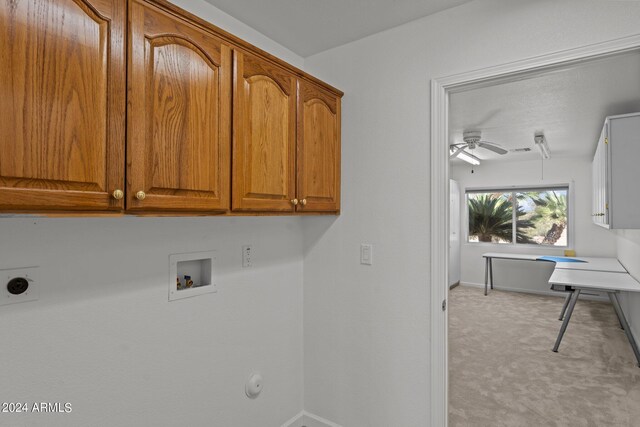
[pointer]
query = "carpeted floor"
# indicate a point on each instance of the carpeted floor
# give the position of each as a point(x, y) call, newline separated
point(502, 371)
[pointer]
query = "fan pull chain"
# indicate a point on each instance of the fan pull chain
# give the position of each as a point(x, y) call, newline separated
point(473, 151)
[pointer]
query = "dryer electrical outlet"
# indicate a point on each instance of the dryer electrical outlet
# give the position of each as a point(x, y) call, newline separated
point(19, 285)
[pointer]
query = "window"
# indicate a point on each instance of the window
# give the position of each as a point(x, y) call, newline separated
point(535, 216)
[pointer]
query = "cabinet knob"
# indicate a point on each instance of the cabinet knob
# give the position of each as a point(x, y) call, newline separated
point(140, 195)
point(118, 194)
point(294, 202)
point(304, 202)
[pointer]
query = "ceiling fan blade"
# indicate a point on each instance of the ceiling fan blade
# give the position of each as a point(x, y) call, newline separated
point(458, 151)
point(492, 147)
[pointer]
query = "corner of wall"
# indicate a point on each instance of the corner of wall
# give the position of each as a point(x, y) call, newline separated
point(228, 23)
point(306, 419)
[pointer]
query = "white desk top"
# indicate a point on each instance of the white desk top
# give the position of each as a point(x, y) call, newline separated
point(603, 280)
point(526, 257)
point(591, 264)
point(611, 265)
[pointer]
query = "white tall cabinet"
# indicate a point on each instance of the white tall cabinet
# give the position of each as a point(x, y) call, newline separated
point(616, 173)
point(454, 232)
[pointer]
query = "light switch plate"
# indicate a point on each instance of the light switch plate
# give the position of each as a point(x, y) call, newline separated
point(366, 254)
point(28, 273)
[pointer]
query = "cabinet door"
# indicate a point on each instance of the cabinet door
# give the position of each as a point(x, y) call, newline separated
point(595, 186)
point(264, 135)
point(62, 108)
point(178, 152)
point(600, 179)
point(318, 160)
point(605, 176)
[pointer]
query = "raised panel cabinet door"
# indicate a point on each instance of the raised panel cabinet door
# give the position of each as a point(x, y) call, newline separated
point(62, 104)
point(595, 185)
point(264, 136)
point(178, 153)
point(318, 159)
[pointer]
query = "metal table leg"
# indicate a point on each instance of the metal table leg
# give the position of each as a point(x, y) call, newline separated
point(616, 306)
point(621, 325)
point(491, 272)
point(486, 274)
point(565, 305)
point(565, 323)
point(611, 298)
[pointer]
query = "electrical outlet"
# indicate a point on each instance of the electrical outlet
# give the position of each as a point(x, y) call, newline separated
point(247, 253)
point(18, 285)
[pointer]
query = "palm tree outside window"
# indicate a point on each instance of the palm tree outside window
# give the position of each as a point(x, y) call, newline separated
point(534, 216)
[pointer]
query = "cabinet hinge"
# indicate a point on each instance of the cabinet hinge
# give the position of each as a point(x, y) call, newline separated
point(606, 205)
point(606, 140)
point(444, 304)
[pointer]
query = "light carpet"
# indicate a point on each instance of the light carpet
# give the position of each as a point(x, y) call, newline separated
point(502, 371)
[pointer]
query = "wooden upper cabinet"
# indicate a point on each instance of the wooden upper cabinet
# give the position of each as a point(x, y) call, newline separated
point(264, 135)
point(62, 106)
point(179, 122)
point(96, 91)
point(318, 160)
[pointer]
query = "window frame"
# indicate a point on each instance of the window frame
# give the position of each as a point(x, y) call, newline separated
point(517, 189)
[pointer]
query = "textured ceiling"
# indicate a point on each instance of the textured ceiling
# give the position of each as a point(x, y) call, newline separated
point(569, 105)
point(310, 26)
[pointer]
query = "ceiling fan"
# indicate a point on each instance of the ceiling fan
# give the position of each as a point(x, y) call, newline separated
point(473, 140)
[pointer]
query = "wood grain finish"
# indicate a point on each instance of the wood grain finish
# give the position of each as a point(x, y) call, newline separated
point(62, 107)
point(264, 135)
point(68, 74)
point(179, 114)
point(318, 160)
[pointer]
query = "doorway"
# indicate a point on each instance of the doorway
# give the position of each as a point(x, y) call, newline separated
point(440, 90)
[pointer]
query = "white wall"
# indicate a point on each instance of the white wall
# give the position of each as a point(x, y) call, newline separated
point(104, 337)
point(588, 239)
point(367, 327)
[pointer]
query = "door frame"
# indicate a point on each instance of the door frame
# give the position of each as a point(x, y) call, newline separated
point(440, 89)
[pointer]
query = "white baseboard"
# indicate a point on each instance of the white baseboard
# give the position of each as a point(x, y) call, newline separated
point(307, 419)
point(535, 291)
point(296, 421)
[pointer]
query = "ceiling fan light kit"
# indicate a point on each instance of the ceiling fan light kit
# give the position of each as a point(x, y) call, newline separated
point(543, 146)
point(471, 137)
